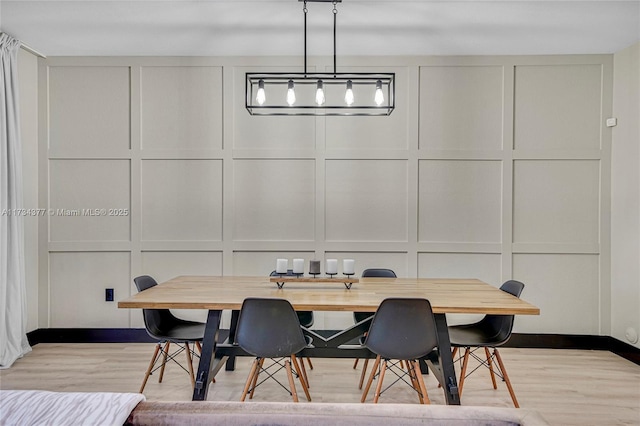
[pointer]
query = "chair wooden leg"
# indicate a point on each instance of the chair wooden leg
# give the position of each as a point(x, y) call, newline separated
point(187, 349)
point(250, 379)
point(310, 364)
point(364, 372)
point(373, 374)
point(355, 363)
point(151, 364)
point(255, 378)
point(301, 377)
point(463, 372)
point(292, 384)
point(304, 372)
point(423, 388)
point(490, 365)
point(164, 361)
point(506, 378)
point(414, 380)
point(383, 368)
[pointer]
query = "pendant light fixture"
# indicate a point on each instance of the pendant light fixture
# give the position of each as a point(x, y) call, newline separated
point(320, 93)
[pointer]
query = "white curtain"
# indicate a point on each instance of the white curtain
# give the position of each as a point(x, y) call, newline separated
point(13, 293)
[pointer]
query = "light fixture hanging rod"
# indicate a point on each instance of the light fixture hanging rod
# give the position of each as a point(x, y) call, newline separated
point(335, 13)
point(305, 36)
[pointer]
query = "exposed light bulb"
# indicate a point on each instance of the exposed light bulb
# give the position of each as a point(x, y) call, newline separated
point(260, 96)
point(348, 95)
point(379, 96)
point(320, 93)
point(291, 94)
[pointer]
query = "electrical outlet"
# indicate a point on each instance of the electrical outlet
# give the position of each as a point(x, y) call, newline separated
point(108, 295)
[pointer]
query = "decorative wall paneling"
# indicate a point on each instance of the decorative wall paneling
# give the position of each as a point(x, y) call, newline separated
point(491, 167)
point(625, 198)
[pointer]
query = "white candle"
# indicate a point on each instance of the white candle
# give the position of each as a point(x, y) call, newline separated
point(298, 266)
point(348, 266)
point(282, 265)
point(332, 266)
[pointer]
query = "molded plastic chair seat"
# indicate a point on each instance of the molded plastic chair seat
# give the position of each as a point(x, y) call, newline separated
point(471, 335)
point(269, 328)
point(488, 333)
point(402, 329)
point(163, 326)
point(181, 332)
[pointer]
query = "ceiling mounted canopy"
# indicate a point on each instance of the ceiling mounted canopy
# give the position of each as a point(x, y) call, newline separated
point(327, 93)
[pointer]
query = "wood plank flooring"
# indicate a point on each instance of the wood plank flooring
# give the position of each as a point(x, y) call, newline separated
point(568, 387)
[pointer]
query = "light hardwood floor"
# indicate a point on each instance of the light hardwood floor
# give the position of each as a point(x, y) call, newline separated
point(568, 387)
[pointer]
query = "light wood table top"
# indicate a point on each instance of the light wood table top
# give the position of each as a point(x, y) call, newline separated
point(227, 292)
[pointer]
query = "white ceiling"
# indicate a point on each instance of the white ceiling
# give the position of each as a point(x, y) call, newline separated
point(365, 27)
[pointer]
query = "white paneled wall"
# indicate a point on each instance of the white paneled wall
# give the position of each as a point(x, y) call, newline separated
point(366, 201)
point(455, 196)
point(89, 109)
point(181, 200)
point(181, 108)
point(556, 202)
point(78, 280)
point(274, 200)
point(625, 198)
point(80, 184)
point(558, 107)
point(462, 108)
point(490, 167)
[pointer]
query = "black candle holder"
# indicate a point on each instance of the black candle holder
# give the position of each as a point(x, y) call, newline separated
point(348, 275)
point(331, 275)
point(315, 274)
point(280, 275)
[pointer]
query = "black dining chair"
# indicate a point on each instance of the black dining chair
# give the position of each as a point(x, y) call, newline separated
point(402, 329)
point(269, 328)
point(488, 333)
point(166, 328)
point(361, 316)
point(305, 318)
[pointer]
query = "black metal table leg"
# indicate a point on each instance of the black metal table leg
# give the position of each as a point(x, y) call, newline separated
point(424, 369)
point(445, 361)
point(231, 362)
point(208, 353)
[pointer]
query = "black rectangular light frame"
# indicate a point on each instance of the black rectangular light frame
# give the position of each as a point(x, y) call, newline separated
point(332, 107)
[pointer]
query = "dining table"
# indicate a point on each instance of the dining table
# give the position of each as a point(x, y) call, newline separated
point(347, 294)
